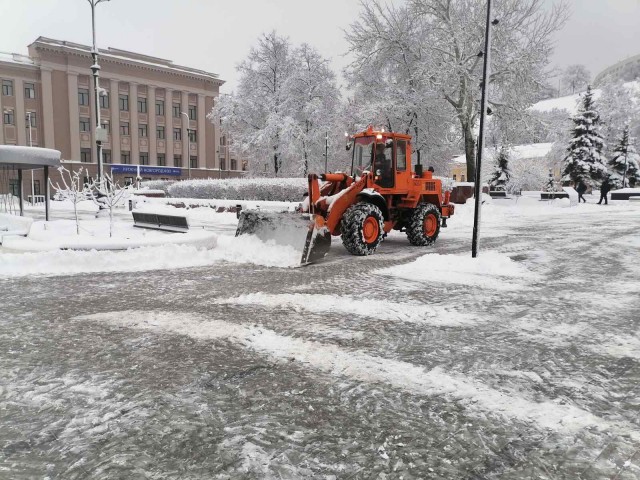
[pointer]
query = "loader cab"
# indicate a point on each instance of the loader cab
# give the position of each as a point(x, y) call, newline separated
point(374, 154)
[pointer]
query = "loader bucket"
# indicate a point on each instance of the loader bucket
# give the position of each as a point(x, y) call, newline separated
point(303, 231)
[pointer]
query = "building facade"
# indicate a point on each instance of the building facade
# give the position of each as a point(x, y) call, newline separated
point(618, 68)
point(154, 112)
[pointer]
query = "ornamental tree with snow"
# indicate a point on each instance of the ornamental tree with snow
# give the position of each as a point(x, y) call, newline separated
point(501, 174)
point(624, 166)
point(585, 161)
point(108, 194)
point(73, 189)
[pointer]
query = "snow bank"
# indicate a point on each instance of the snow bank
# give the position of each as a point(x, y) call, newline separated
point(489, 270)
point(245, 249)
point(14, 225)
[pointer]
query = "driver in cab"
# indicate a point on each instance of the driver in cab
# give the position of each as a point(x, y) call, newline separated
point(383, 164)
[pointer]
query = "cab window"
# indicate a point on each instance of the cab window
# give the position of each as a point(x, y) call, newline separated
point(401, 155)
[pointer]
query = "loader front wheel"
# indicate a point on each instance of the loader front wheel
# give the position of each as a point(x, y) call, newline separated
point(424, 225)
point(362, 228)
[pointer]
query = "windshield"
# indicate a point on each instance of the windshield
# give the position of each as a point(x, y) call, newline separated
point(362, 154)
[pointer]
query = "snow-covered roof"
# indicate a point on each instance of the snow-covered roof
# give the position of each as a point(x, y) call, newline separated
point(126, 56)
point(532, 150)
point(17, 58)
point(28, 158)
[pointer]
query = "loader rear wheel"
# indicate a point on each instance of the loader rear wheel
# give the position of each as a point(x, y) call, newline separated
point(424, 225)
point(362, 227)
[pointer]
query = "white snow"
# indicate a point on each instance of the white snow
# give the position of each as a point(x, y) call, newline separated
point(532, 150)
point(363, 367)
point(347, 305)
point(489, 270)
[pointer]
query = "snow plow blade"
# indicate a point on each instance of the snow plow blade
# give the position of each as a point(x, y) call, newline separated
point(303, 231)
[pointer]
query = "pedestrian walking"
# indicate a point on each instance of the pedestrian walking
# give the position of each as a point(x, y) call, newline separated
point(604, 190)
point(581, 188)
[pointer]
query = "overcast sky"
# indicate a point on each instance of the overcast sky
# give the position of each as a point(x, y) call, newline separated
point(214, 35)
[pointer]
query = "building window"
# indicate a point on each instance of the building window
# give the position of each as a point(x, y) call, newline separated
point(106, 156)
point(128, 181)
point(144, 158)
point(83, 96)
point(29, 90)
point(8, 117)
point(123, 101)
point(234, 164)
point(142, 130)
point(177, 134)
point(176, 110)
point(31, 119)
point(106, 126)
point(36, 187)
point(125, 158)
point(177, 160)
point(193, 161)
point(104, 101)
point(7, 88)
point(193, 112)
point(223, 164)
point(162, 160)
point(223, 140)
point(85, 126)
point(85, 155)
point(124, 128)
point(160, 107)
point(160, 132)
point(192, 136)
point(14, 187)
point(142, 105)
point(454, 177)
point(462, 178)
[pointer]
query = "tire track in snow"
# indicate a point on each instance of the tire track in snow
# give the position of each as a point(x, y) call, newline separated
point(362, 367)
point(379, 309)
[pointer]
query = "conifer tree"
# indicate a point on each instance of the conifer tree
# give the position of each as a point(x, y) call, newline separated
point(624, 166)
point(585, 161)
point(501, 173)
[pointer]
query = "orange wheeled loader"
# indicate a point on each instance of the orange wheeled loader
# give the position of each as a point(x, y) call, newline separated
point(381, 194)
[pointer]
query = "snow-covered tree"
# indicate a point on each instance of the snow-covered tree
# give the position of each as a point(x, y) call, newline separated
point(575, 78)
point(391, 89)
point(284, 105)
point(585, 160)
point(501, 174)
point(453, 36)
point(619, 105)
point(314, 102)
point(108, 194)
point(73, 189)
point(526, 174)
point(624, 166)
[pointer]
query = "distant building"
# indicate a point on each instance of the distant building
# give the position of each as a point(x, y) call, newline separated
point(141, 111)
point(618, 71)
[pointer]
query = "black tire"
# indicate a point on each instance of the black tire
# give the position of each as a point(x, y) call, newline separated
point(422, 231)
point(353, 225)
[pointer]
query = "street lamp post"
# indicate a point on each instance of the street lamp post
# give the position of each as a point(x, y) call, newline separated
point(188, 143)
point(101, 135)
point(483, 113)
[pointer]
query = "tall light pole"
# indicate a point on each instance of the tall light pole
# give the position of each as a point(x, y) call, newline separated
point(33, 192)
point(326, 150)
point(483, 114)
point(188, 143)
point(101, 135)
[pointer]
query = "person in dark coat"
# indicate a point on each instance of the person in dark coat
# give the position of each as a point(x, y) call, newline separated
point(581, 188)
point(604, 190)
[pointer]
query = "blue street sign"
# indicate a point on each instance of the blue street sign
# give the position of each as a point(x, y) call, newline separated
point(146, 170)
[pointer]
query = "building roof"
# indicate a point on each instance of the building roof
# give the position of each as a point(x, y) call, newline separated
point(533, 150)
point(16, 58)
point(124, 56)
point(28, 158)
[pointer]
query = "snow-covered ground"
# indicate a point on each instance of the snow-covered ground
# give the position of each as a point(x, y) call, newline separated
point(411, 363)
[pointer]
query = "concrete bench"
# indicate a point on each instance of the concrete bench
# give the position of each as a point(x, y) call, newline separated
point(158, 221)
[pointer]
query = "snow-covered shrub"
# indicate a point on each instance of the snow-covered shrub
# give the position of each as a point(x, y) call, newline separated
point(501, 173)
point(262, 189)
point(158, 185)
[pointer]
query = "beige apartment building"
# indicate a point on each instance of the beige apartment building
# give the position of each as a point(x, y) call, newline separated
point(47, 100)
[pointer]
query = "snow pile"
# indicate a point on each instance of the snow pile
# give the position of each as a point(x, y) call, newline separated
point(245, 249)
point(14, 225)
point(271, 189)
point(378, 309)
point(488, 270)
